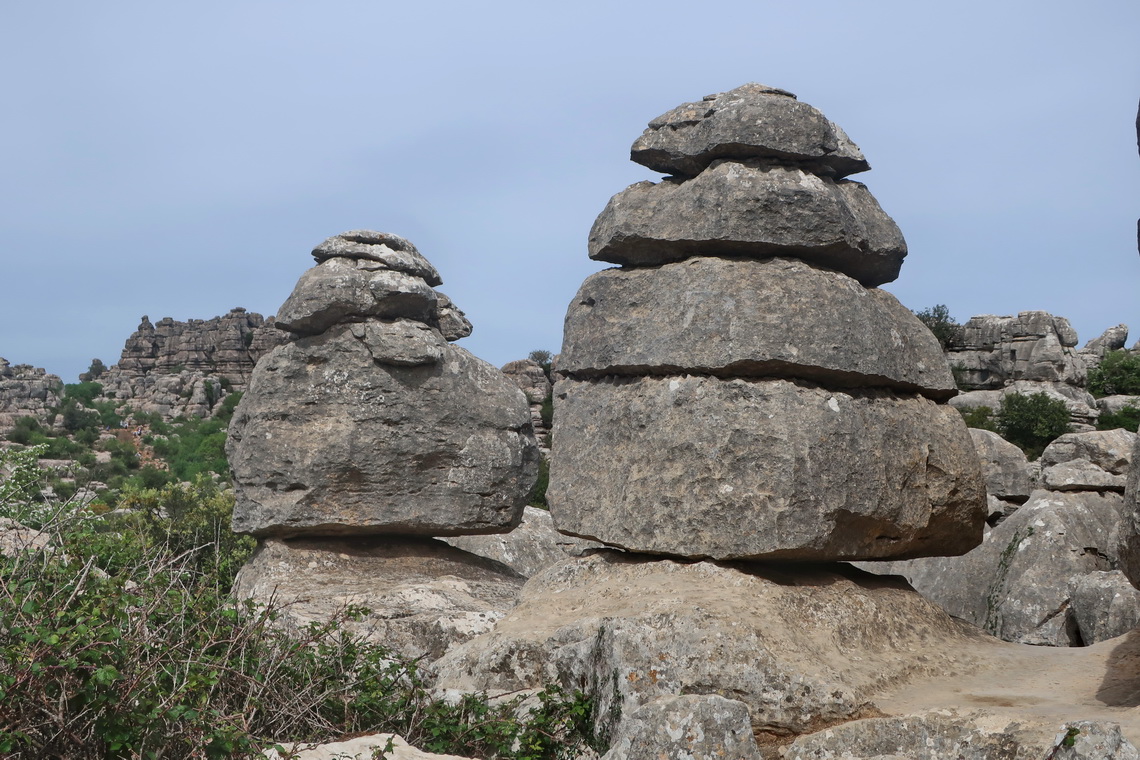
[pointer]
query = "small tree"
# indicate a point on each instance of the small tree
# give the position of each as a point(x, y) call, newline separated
point(938, 319)
point(1032, 421)
point(1117, 373)
point(543, 358)
point(94, 372)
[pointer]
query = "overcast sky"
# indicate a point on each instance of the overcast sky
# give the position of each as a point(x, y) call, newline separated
point(180, 159)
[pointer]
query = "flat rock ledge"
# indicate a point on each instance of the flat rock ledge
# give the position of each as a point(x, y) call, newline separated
point(751, 211)
point(424, 596)
point(750, 318)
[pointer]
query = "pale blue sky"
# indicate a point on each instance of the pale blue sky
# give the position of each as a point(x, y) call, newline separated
point(180, 160)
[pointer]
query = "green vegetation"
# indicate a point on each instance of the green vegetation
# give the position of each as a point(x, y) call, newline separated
point(1032, 421)
point(544, 359)
point(980, 417)
point(1127, 418)
point(538, 493)
point(1117, 374)
point(938, 319)
point(126, 643)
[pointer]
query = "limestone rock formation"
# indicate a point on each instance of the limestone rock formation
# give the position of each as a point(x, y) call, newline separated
point(528, 549)
point(369, 421)
point(529, 376)
point(1017, 585)
point(731, 469)
point(184, 369)
point(1004, 465)
point(750, 319)
point(753, 120)
point(801, 647)
point(26, 391)
point(738, 389)
point(1105, 605)
point(357, 748)
point(994, 351)
point(684, 727)
point(751, 209)
point(423, 596)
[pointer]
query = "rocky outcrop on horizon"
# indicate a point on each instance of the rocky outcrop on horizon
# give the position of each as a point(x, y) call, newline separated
point(184, 369)
point(365, 434)
point(27, 391)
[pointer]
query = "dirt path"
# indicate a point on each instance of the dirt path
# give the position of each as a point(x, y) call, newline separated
point(1047, 684)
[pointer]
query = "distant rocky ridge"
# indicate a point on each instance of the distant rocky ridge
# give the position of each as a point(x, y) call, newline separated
point(184, 369)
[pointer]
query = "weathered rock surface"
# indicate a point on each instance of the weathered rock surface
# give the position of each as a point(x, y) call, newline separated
point(1004, 466)
point(379, 428)
point(1110, 450)
point(1080, 475)
point(686, 728)
point(801, 648)
point(1017, 584)
point(16, 538)
point(26, 391)
point(226, 347)
point(748, 318)
point(1115, 404)
point(1112, 339)
point(531, 379)
point(754, 211)
point(424, 596)
point(1128, 543)
point(453, 323)
point(751, 121)
point(994, 351)
point(179, 393)
point(382, 250)
point(346, 290)
point(528, 549)
point(974, 736)
point(730, 469)
point(1105, 605)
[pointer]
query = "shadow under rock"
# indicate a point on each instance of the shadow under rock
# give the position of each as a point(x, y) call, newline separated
point(1121, 684)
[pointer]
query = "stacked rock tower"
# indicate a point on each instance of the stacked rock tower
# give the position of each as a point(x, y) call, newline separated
point(739, 388)
point(368, 421)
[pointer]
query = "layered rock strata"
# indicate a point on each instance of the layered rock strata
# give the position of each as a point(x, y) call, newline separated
point(739, 389)
point(27, 391)
point(368, 420)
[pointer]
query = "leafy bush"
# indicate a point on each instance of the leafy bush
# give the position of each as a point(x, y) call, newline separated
point(980, 417)
point(1032, 421)
point(1118, 373)
point(84, 393)
point(538, 493)
point(1128, 418)
point(938, 319)
point(126, 644)
point(544, 359)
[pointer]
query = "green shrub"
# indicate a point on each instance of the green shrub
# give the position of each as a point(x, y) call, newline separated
point(84, 393)
point(938, 319)
point(1128, 418)
point(1032, 421)
point(544, 359)
point(1117, 374)
point(980, 417)
point(538, 493)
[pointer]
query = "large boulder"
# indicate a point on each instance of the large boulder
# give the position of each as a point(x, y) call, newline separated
point(703, 467)
point(748, 318)
point(1004, 466)
point(1105, 605)
point(379, 427)
point(1110, 450)
point(1017, 585)
point(751, 210)
point(800, 647)
point(751, 121)
point(384, 249)
point(348, 290)
point(423, 597)
point(687, 727)
point(1128, 543)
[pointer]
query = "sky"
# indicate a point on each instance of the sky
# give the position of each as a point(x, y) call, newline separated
point(181, 159)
